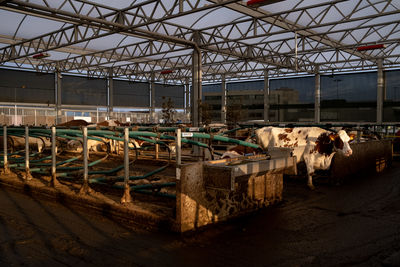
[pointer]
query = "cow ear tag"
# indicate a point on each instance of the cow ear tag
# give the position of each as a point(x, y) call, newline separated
point(332, 137)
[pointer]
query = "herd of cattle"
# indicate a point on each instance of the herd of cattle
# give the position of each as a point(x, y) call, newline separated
point(312, 145)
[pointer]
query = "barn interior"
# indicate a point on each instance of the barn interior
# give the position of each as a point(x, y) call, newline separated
point(127, 107)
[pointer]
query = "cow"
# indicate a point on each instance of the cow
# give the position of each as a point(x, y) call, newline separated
point(111, 123)
point(312, 145)
point(18, 143)
point(107, 123)
point(101, 146)
point(74, 123)
point(240, 150)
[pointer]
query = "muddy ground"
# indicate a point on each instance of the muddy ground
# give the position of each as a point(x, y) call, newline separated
point(354, 224)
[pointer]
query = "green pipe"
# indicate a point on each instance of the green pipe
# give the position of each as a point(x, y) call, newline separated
point(226, 139)
point(197, 135)
point(58, 163)
point(107, 171)
point(81, 167)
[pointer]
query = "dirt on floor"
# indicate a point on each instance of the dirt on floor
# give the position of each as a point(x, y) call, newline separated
point(353, 224)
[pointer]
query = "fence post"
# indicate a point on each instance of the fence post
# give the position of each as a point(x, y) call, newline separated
point(178, 153)
point(126, 198)
point(28, 175)
point(85, 189)
point(53, 181)
point(5, 168)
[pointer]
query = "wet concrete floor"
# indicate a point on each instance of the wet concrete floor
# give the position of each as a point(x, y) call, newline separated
point(354, 224)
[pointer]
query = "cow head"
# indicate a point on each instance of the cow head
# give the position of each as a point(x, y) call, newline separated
point(341, 142)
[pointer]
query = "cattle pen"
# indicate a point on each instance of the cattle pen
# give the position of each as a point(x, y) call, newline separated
point(182, 118)
point(161, 183)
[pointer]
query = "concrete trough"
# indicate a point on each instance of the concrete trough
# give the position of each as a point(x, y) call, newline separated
point(214, 191)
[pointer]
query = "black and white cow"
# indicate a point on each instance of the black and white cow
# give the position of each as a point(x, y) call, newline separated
point(312, 145)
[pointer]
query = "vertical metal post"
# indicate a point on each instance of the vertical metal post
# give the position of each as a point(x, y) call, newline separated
point(157, 148)
point(196, 95)
point(196, 87)
point(15, 115)
point(126, 198)
point(110, 104)
point(152, 98)
point(266, 97)
point(178, 146)
point(223, 99)
point(85, 155)
point(53, 157)
point(178, 153)
point(5, 170)
point(379, 98)
point(85, 189)
point(35, 117)
point(28, 175)
point(317, 103)
point(187, 89)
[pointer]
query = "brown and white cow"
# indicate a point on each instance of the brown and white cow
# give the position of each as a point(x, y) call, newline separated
point(240, 150)
point(106, 123)
point(312, 145)
point(102, 146)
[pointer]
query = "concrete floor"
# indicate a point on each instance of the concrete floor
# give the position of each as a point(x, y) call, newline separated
point(355, 224)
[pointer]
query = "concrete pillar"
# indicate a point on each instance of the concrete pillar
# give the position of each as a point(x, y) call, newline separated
point(58, 97)
point(110, 96)
point(379, 97)
point(266, 97)
point(196, 88)
point(317, 102)
point(152, 99)
point(223, 99)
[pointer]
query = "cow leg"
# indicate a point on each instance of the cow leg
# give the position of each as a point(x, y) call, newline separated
point(310, 183)
point(310, 172)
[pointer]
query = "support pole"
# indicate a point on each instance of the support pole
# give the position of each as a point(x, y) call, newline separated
point(196, 87)
point(187, 90)
point(53, 181)
point(223, 99)
point(110, 104)
point(28, 175)
point(317, 103)
point(379, 98)
point(126, 198)
point(152, 99)
point(157, 148)
point(178, 153)
point(196, 95)
point(266, 97)
point(85, 189)
point(5, 160)
point(58, 97)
